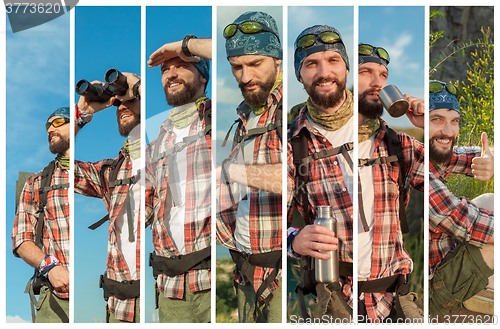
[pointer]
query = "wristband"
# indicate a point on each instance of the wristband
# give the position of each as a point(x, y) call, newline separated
point(291, 233)
point(82, 117)
point(48, 263)
point(185, 49)
point(135, 89)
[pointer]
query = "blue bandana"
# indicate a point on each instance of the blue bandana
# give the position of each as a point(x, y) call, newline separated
point(204, 67)
point(260, 43)
point(62, 112)
point(443, 99)
point(302, 53)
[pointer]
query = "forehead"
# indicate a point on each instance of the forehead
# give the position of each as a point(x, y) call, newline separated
point(375, 67)
point(323, 54)
point(248, 59)
point(444, 113)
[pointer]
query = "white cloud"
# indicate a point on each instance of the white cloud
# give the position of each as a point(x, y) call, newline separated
point(228, 91)
point(15, 319)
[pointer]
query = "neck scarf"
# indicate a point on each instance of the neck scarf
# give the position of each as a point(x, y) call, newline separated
point(182, 116)
point(133, 148)
point(332, 121)
point(261, 109)
point(63, 160)
point(368, 129)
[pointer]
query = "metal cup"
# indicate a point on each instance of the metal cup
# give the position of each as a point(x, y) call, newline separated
point(393, 101)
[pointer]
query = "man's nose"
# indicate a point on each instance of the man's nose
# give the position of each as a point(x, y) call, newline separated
point(246, 75)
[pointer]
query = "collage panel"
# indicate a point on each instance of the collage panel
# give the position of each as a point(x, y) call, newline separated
point(107, 164)
point(249, 164)
point(319, 171)
point(178, 164)
point(461, 166)
point(38, 130)
point(391, 108)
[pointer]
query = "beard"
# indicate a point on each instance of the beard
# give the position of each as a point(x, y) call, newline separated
point(329, 100)
point(437, 156)
point(125, 128)
point(183, 96)
point(369, 109)
point(61, 145)
point(259, 96)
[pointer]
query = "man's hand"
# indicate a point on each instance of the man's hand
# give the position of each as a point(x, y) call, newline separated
point(416, 111)
point(313, 238)
point(59, 278)
point(131, 81)
point(94, 107)
point(483, 167)
point(168, 51)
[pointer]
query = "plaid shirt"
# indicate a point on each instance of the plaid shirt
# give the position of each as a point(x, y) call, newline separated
point(88, 183)
point(389, 256)
point(55, 235)
point(265, 208)
point(197, 232)
point(451, 218)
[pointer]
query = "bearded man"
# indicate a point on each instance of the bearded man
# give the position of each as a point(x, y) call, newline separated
point(178, 184)
point(116, 182)
point(461, 236)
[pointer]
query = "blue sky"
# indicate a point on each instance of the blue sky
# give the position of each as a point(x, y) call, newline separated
point(29, 102)
point(163, 25)
point(399, 30)
point(105, 37)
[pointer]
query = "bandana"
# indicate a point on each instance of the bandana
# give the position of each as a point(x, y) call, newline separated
point(63, 160)
point(182, 116)
point(133, 148)
point(443, 99)
point(368, 129)
point(332, 121)
point(260, 43)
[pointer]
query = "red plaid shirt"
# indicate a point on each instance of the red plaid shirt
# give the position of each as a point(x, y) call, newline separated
point(451, 218)
point(88, 183)
point(265, 208)
point(197, 226)
point(389, 256)
point(55, 236)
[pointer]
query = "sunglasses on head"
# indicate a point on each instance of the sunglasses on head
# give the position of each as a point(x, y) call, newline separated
point(248, 27)
point(436, 87)
point(367, 50)
point(309, 40)
point(56, 123)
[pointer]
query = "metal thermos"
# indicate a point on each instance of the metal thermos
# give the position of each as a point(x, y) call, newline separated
point(327, 271)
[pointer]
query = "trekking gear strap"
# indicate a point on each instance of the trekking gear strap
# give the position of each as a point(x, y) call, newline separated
point(177, 265)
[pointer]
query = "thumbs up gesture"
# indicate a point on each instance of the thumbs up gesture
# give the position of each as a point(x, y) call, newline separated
point(483, 167)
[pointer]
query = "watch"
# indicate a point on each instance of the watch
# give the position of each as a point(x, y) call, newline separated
point(185, 49)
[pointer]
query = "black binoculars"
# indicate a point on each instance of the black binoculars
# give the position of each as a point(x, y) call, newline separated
point(115, 84)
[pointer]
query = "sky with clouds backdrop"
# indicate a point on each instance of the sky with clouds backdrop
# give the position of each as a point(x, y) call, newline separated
point(37, 71)
point(401, 31)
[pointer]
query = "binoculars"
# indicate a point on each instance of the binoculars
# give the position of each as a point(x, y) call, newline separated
point(115, 84)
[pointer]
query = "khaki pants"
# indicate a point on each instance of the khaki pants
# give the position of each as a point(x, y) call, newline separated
point(45, 312)
point(267, 313)
point(194, 307)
